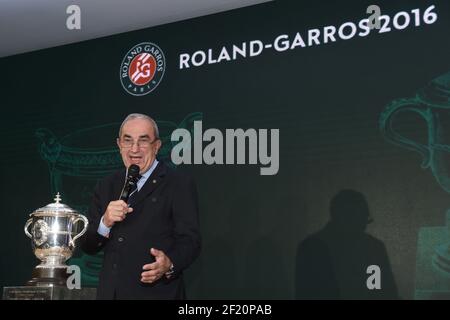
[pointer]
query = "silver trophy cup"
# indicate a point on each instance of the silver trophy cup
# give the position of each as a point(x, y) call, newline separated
point(53, 230)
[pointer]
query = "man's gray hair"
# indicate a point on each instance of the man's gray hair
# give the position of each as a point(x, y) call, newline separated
point(140, 116)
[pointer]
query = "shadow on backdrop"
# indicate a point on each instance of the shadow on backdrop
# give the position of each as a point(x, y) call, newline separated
point(332, 263)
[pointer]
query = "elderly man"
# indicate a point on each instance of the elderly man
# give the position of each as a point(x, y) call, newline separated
point(150, 240)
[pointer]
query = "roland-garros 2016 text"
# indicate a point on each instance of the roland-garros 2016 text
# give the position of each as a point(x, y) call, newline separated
point(312, 37)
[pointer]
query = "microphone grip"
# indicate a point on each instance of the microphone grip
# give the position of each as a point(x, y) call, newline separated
point(125, 194)
point(127, 189)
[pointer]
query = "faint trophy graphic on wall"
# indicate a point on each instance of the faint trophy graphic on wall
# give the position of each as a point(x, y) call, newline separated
point(432, 103)
point(52, 233)
point(78, 160)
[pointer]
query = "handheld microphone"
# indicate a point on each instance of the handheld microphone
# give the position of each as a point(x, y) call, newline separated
point(130, 182)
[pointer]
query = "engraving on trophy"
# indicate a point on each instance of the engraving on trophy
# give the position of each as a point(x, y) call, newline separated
point(78, 160)
point(27, 293)
point(432, 104)
point(48, 293)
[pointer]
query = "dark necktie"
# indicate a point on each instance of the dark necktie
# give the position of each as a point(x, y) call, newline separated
point(133, 192)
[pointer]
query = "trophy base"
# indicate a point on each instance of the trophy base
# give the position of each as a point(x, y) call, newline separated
point(48, 277)
point(432, 282)
point(48, 293)
point(441, 259)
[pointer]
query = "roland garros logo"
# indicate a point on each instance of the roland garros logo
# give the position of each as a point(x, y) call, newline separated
point(142, 69)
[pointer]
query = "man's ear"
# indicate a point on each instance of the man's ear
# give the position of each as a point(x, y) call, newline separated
point(158, 145)
point(117, 141)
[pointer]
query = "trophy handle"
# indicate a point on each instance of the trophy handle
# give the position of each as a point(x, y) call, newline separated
point(86, 223)
point(26, 228)
point(386, 128)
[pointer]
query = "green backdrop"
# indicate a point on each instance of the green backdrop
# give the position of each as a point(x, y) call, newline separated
point(61, 108)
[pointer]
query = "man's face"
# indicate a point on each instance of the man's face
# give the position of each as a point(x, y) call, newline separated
point(137, 144)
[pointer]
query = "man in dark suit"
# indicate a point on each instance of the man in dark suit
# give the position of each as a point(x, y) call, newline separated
point(150, 240)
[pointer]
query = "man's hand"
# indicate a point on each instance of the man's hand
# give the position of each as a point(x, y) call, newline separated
point(154, 271)
point(116, 211)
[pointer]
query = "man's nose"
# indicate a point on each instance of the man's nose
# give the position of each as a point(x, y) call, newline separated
point(135, 147)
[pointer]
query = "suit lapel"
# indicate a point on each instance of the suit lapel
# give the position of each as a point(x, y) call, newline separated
point(151, 184)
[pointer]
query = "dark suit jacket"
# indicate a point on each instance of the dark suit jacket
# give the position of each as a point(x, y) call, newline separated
point(165, 217)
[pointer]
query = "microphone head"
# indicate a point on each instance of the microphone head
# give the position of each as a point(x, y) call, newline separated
point(133, 171)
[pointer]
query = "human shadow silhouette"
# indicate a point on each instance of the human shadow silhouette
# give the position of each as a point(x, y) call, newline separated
point(332, 263)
